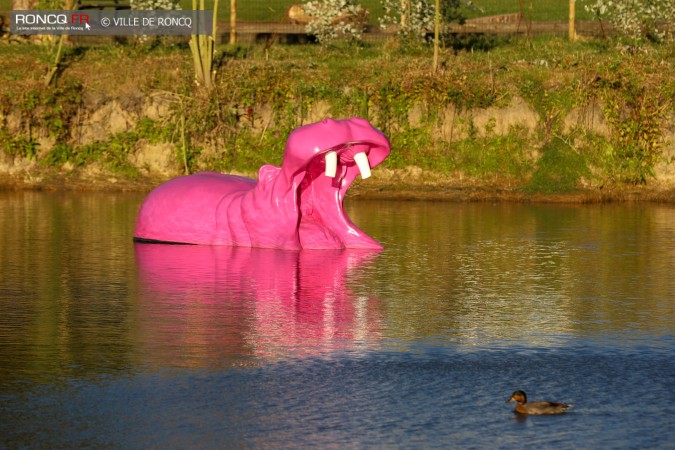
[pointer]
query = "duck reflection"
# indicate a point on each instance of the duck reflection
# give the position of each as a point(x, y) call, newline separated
point(212, 306)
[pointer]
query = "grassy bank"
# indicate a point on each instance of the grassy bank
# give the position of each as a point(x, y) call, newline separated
point(275, 10)
point(530, 117)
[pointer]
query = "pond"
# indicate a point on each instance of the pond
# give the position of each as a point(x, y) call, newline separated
point(109, 344)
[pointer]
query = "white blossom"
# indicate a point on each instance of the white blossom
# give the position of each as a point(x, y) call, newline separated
point(415, 18)
point(334, 19)
point(165, 5)
point(412, 17)
point(637, 19)
point(146, 5)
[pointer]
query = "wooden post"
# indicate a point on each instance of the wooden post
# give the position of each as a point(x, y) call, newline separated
point(572, 32)
point(214, 27)
point(437, 26)
point(233, 21)
point(405, 8)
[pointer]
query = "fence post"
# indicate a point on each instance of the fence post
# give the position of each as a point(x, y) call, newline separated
point(233, 21)
point(437, 26)
point(572, 32)
point(405, 18)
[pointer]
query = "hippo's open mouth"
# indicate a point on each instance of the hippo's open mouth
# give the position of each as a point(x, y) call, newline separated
point(323, 222)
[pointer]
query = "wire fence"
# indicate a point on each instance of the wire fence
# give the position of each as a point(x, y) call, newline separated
point(539, 10)
point(259, 20)
point(285, 19)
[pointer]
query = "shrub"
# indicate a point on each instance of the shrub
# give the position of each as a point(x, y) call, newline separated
point(637, 19)
point(334, 19)
point(414, 19)
point(162, 5)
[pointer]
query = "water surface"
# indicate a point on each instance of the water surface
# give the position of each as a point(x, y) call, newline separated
point(109, 344)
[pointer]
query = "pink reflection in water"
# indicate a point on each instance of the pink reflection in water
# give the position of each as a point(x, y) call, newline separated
point(208, 305)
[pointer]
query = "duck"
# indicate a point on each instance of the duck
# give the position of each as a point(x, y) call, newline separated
point(536, 408)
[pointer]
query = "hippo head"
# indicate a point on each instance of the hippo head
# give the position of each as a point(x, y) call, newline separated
point(320, 162)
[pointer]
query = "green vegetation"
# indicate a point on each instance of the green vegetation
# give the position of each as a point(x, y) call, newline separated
point(454, 123)
point(559, 169)
point(496, 159)
point(275, 10)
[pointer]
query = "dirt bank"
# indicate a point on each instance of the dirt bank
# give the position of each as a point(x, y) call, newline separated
point(579, 122)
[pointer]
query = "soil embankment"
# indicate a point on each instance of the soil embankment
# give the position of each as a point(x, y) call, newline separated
point(581, 124)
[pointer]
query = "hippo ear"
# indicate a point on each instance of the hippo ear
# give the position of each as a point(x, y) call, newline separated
point(266, 174)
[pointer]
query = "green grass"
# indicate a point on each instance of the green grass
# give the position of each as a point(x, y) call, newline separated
point(270, 10)
point(538, 10)
point(559, 169)
point(275, 10)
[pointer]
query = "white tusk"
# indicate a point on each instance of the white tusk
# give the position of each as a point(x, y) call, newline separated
point(361, 161)
point(331, 164)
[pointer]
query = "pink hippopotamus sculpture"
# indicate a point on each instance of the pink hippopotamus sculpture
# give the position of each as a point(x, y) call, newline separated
point(295, 206)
